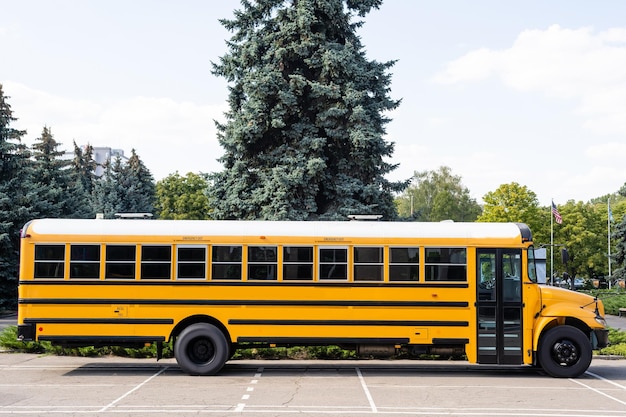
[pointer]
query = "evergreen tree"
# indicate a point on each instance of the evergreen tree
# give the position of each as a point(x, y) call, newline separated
point(304, 134)
point(619, 236)
point(136, 186)
point(84, 166)
point(106, 199)
point(124, 188)
point(60, 190)
point(51, 175)
point(81, 177)
point(17, 195)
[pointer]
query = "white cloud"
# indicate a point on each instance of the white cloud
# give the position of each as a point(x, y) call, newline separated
point(578, 64)
point(168, 136)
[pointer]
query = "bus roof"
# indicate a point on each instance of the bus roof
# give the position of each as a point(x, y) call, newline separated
point(322, 229)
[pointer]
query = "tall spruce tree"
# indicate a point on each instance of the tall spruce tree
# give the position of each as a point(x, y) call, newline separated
point(619, 236)
point(137, 186)
point(84, 166)
point(303, 137)
point(124, 187)
point(17, 198)
point(106, 198)
point(51, 174)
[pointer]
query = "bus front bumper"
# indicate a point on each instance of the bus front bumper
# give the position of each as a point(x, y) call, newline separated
point(599, 338)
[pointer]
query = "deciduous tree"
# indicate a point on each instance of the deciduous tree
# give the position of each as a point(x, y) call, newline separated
point(437, 195)
point(183, 198)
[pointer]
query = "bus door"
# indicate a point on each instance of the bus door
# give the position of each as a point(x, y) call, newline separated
point(499, 306)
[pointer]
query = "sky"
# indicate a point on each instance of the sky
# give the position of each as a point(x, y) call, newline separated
point(531, 92)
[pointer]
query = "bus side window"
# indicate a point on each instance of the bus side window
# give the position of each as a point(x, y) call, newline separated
point(191, 262)
point(333, 263)
point(49, 261)
point(404, 264)
point(85, 261)
point(156, 262)
point(368, 264)
point(120, 261)
point(297, 263)
point(446, 264)
point(226, 262)
point(263, 262)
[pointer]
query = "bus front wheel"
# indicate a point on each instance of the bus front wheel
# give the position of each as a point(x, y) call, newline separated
point(565, 352)
point(201, 349)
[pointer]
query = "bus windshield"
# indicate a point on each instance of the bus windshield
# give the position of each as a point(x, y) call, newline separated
point(532, 268)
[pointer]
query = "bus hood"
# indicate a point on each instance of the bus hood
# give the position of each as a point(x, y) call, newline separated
point(550, 296)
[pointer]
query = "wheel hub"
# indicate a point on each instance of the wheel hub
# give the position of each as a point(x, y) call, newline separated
point(201, 351)
point(565, 352)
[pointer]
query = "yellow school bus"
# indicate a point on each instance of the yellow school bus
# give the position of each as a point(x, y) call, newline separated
point(212, 287)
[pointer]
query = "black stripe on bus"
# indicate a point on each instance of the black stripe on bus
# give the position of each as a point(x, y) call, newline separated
point(102, 340)
point(262, 322)
point(449, 341)
point(227, 283)
point(297, 303)
point(323, 341)
point(97, 321)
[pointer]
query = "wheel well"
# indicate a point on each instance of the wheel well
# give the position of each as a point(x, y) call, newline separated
point(569, 321)
point(580, 325)
point(199, 318)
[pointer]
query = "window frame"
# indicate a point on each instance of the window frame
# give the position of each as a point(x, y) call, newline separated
point(155, 264)
point(410, 264)
point(440, 265)
point(85, 262)
point(270, 275)
point(204, 262)
point(368, 264)
point(119, 262)
point(298, 263)
point(321, 263)
point(226, 263)
point(53, 262)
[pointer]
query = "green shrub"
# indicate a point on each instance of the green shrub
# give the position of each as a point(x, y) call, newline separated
point(8, 340)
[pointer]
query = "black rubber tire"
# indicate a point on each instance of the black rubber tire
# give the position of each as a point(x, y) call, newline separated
point(201, 349)
point(565, 352)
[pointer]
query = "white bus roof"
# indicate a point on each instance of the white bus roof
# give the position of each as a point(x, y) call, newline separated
point(344, 229)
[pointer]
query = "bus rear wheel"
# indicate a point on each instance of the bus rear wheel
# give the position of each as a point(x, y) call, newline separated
point(565, 352)
point(201, 349)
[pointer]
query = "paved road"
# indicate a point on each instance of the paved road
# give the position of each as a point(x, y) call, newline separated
point(36, 385)
point(616, 322)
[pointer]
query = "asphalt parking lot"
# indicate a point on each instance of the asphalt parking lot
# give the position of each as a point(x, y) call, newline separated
point(35, 385)
point(40, 385)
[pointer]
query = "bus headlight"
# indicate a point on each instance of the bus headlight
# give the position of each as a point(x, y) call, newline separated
point(601, 321)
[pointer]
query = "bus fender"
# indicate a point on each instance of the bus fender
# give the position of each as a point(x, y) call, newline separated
point(557, 314)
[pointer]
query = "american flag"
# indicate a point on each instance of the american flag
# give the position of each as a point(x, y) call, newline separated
point(557, 215)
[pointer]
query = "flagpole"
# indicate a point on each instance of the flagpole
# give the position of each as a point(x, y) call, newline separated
point(551, 244)
point(608, 224)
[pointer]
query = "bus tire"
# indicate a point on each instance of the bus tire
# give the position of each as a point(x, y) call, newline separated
point(201, 349)
point(565, 352)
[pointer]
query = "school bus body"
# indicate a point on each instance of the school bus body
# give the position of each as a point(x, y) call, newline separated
point(215, 286)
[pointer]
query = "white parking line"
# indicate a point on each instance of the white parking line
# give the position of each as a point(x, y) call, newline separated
point(605, 380)
point(240, 406)
point(112, 403)
point(367, 391)
point(598, 391)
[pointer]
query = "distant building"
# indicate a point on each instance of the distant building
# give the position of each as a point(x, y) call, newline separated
point(101, 154)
